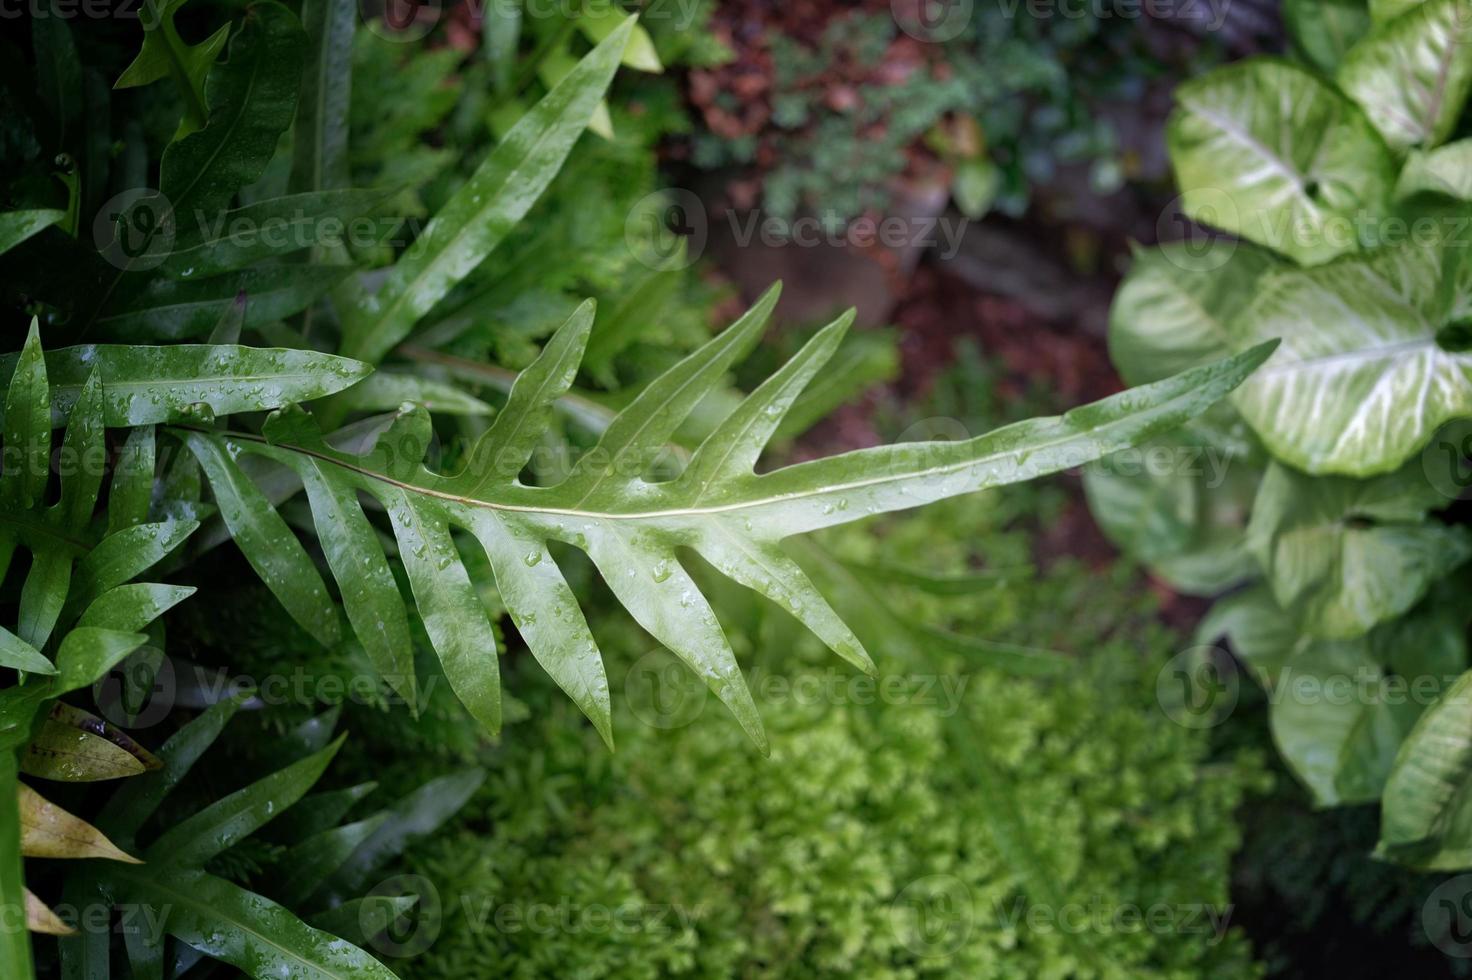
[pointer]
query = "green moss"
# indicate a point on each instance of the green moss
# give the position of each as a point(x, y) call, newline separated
point(875, 842)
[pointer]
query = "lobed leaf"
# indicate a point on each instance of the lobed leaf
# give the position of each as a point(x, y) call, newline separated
point(632, 527)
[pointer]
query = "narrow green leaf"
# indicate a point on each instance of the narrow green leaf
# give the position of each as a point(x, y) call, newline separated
point(369, 593)
point(664, 599)
point(546, 613)
point(508, 444)
point(732, 449)
point(178, 309)
point(130, 608)
point(143, 385)
point(598, 20)
point(308, 864)
point(453, 614)
point(132, 480)
point(224, 823)
point(27, 432)
point(17, 226)
point(317, 812)
point(361, 919)
point(643, 428)
point(386, 391)
point(319, 144)
point(238, 927)
point(44, 595)
point(412, 818)
point(266, 541)
point(83, 458)
point(17, 654)
point(137, 799)
point(122, 556)
point(88, 652)
point(486, 208)
point(278, 226)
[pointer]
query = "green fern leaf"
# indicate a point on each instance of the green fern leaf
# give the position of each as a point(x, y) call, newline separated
point(213, 916)
point(631, 527)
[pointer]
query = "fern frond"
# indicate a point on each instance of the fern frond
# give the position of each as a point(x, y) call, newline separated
point(631, 527)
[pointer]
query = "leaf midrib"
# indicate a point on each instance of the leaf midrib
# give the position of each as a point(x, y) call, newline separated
point(1031, 449)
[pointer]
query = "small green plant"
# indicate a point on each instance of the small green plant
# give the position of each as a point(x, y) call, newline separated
point(333, 368)
point(1317, 491)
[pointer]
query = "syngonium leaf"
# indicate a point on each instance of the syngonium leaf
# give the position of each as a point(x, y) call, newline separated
point(1325, 29)
point(1175, 308)
point(1444, 170)
point(1384, 11)
point(1426, 809)
point(1180, 506)
point(1344, 555)
point(1264, 149)
point(1412, 74)
point(632, 527)
point(1340, 708)
point(1362, 380)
